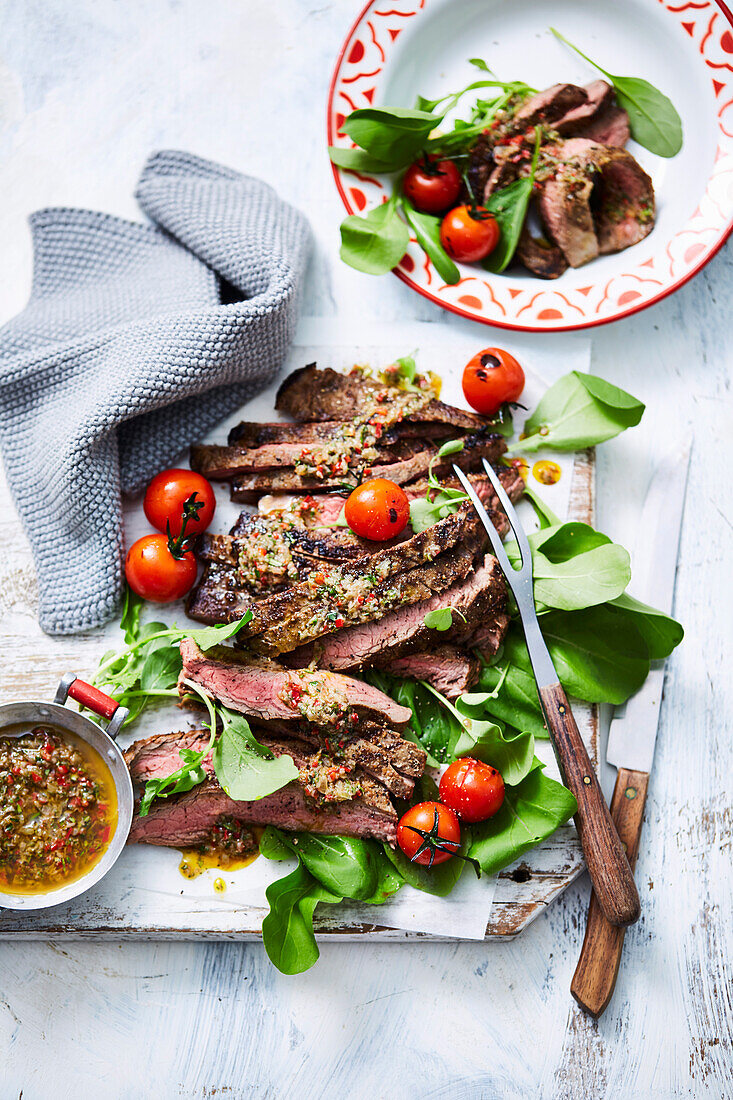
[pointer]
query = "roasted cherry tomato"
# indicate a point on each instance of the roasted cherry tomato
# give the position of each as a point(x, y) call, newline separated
point(469, 234)
point(377, 510)
point(166, 496)
point(491, 378)
point(155, 573)
point(432, 184)
point(431, 827)
point(472, 789)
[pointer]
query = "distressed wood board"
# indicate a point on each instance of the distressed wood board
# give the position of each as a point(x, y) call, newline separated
point(144, 896)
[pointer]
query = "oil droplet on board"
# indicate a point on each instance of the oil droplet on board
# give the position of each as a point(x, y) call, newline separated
point(220, 886)
point(547, 472)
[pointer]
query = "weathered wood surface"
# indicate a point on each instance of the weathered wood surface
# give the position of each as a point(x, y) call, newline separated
point(86, 90)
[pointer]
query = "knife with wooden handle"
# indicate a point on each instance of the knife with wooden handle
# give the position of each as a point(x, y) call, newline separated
point(633, 732)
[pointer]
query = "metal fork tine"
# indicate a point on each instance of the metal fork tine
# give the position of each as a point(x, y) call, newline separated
point(491, 531)
point(511, 514)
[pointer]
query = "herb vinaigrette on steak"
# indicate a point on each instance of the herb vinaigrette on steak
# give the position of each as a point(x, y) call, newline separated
point(230, 846)
point(58, 810)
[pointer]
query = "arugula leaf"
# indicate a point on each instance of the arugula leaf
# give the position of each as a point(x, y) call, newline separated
point(510, 753)
point(209, 636)
point(530, 813)
point(600, 656)
point(653, 120)
point(544, 513)
point(574, 567)
point(245, 769)
point(517, 702)
point(392, 135)
point(349, 866)
point(509, 206)
point(660, 632)
point(427, 231)
point(287, 930)
point(578, 411)
point(189, 775)
point(377, 242)
point(440, 619)
point(357, 160)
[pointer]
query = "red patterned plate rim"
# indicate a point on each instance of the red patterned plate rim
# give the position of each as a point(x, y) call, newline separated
point(626, 305)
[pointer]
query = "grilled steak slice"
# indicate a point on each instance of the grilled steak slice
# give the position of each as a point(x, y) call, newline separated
point(253, 434)
point(297, 542)
point(599, 96)
point(450, 670)
point(565, 204)
point(249, 487)
point(338, 596)
point(379, 751)
point(474, 600)
point(549, 105)
point(602, 201)
point(264, 690)
point(611, 127)
point(313, 394)
point(188, 819)
point(540, 256)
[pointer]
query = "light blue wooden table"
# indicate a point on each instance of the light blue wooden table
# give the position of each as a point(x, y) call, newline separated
point(87, 89)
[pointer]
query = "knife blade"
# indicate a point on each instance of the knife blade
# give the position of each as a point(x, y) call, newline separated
point(633, 731)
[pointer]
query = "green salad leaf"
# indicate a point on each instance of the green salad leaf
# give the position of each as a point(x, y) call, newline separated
point(246, 769)
point(531, 812)
point(287, 930)
point(653, 120)
point(392, 135)
point(376, 242)
point(578, 411)
point(426, 228)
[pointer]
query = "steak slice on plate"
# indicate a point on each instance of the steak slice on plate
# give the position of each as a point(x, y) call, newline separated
point(475, 599)
point(611, 127)
point(313, 394)
point(601, 201)
point(450, 670)
point(188, 819)
point(551, 104)
point(599, 97)
point(266, 691)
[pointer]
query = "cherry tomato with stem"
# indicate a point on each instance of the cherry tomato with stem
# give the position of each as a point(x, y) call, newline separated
point(377, 510)
point(429, 833)
point(472, 789)
point(171, 494)
point(492, 378)
point(469, 233)
point(157, 571)
point(432, 184)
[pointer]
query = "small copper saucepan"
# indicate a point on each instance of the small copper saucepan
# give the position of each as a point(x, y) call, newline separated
point(17, 718)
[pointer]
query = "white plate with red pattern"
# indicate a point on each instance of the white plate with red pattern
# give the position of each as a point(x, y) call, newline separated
point(398, 49)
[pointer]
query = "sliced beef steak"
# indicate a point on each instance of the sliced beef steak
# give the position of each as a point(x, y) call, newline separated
point(189, 818)
point(599, 96)
point(540, 256)
point(313, 394)
point(611, 127)
point(450, 670)
point(266, 691)
point(249, 487)
point(479, 598)
point(335, 597)
point(551, 104)
point(602, 201)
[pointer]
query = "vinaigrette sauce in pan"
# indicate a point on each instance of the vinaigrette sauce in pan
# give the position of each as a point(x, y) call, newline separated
point(58, 809)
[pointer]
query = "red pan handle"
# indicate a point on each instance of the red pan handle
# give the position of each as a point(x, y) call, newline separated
point(92, 698)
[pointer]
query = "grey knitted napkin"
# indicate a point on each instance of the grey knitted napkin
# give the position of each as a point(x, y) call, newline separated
point(132, 345)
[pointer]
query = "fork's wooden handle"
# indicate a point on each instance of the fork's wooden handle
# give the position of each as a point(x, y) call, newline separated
point(595, 975)
point(612, 878)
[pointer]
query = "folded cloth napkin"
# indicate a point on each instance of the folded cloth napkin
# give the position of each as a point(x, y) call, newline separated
point(136, 340)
